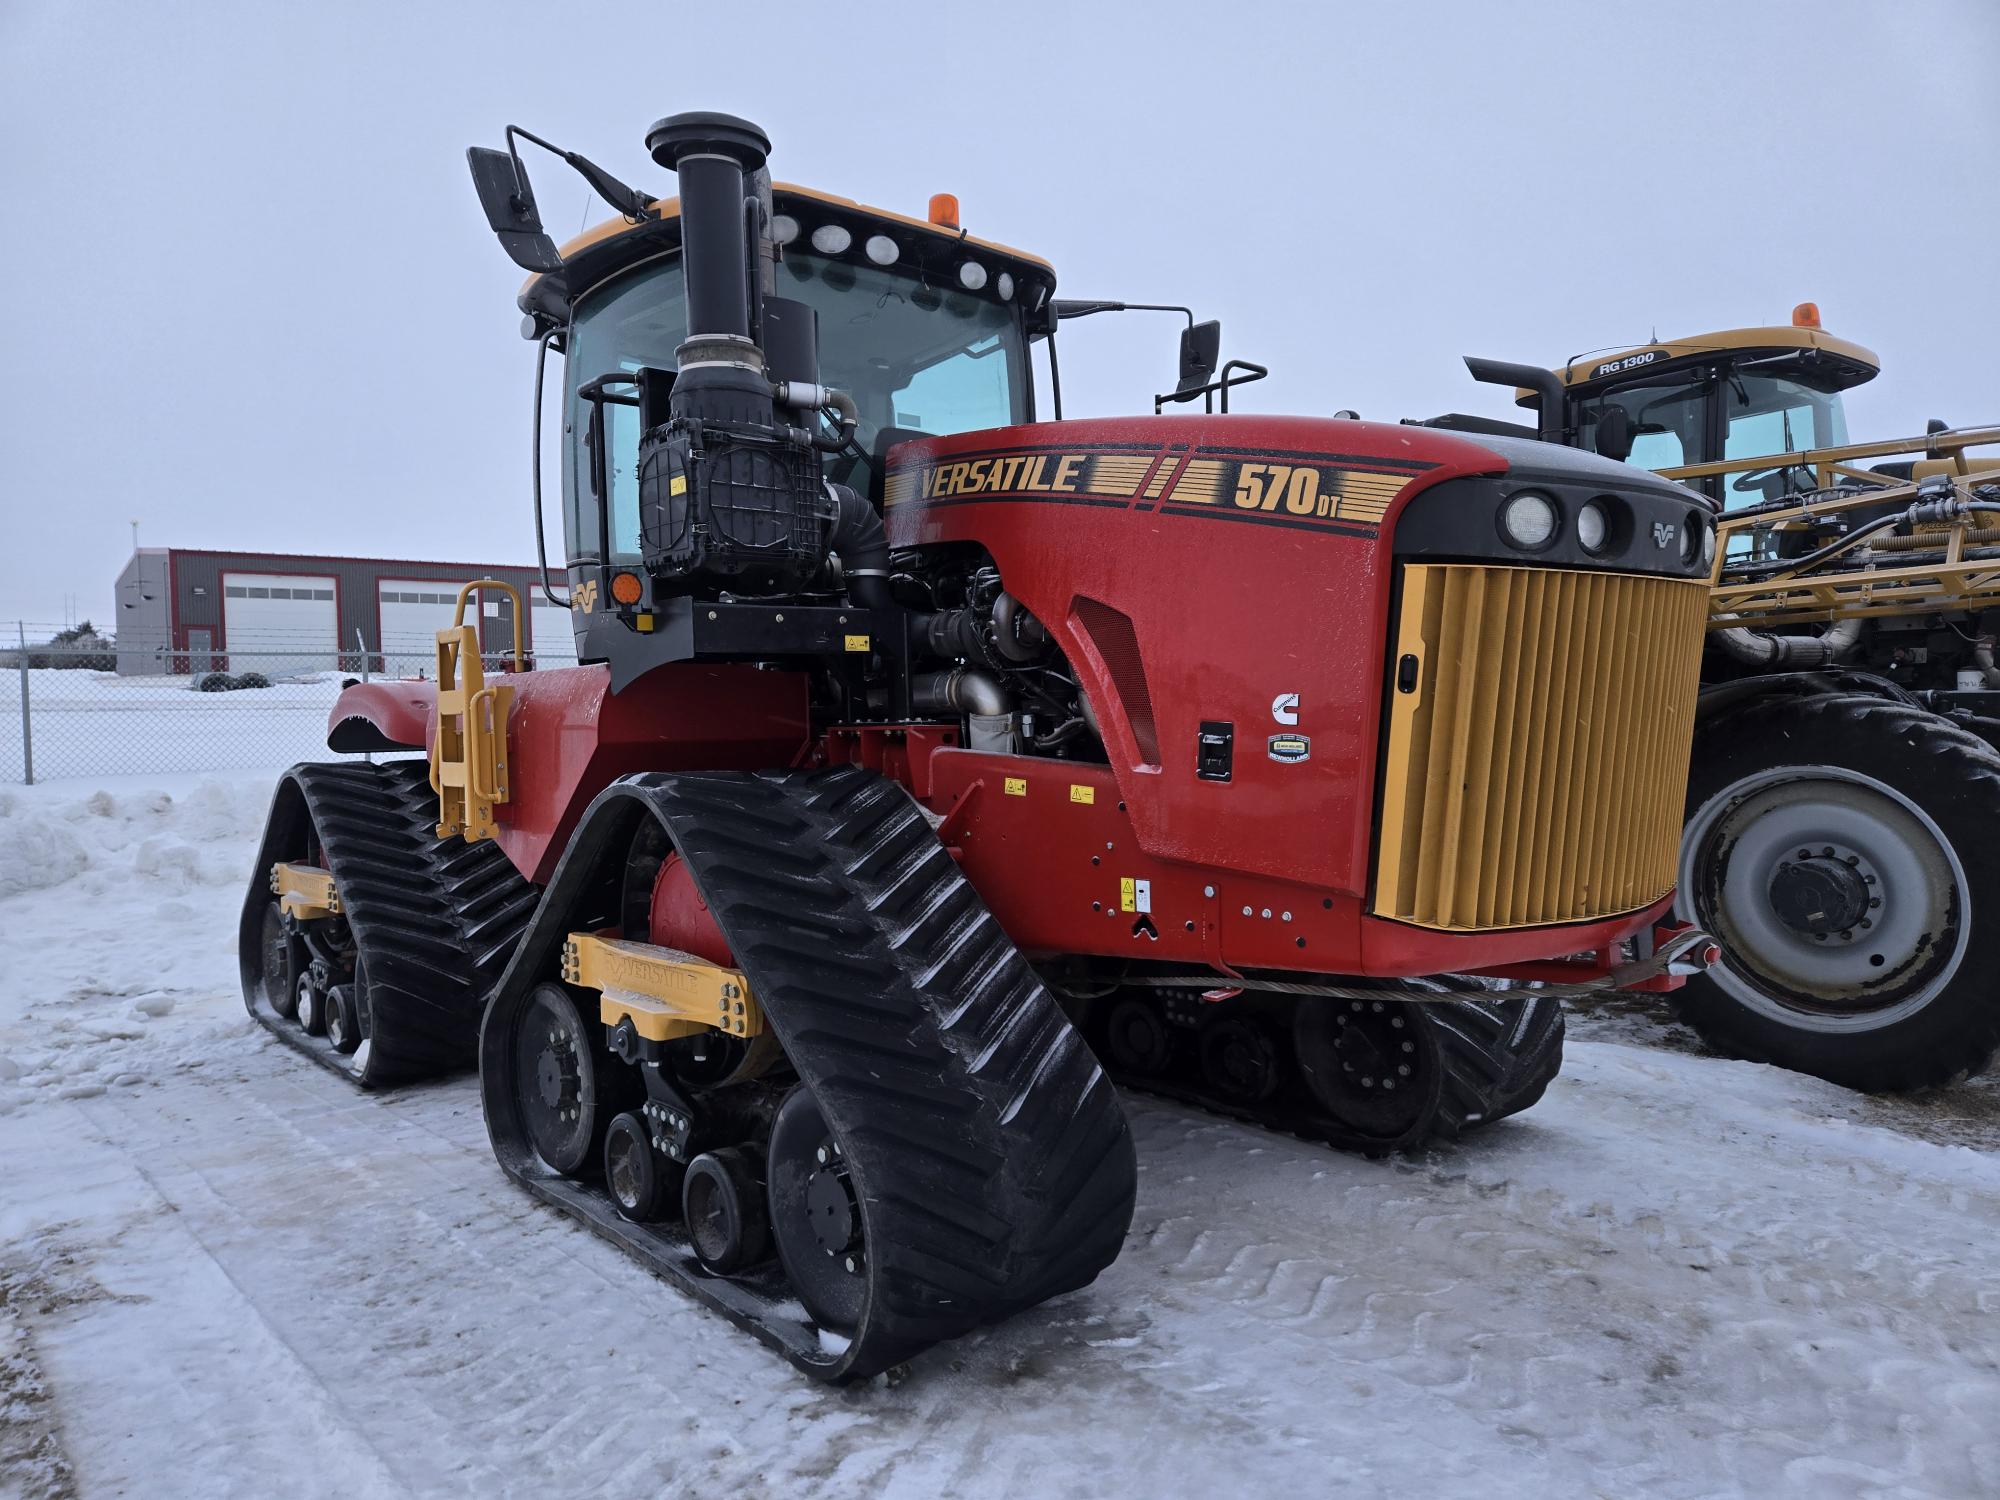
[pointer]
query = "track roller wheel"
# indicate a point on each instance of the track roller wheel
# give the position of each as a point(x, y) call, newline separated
point(816, 1215)
point(280, 971)
point(343, 1018)
point(1137, 1038)
point(309, 1006)
point(722, 1199)
point(561, 1070)
point(1239, 1060)
point(644, 1183)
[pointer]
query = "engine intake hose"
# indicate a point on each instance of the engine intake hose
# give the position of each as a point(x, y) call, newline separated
point(1760, 648)
point(961, 690)
point(863, 547)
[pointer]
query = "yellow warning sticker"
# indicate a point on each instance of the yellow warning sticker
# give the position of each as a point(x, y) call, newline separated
point(677, 485)
point(1017, 786)
point(1082, 793)
point(1127, 894)
point(857, 643)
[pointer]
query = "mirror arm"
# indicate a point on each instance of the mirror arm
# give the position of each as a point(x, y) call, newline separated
point(541, 538)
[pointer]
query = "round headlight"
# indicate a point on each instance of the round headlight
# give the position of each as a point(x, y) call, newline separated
point(972, 275)
point(1004, 285)
point(831, 239)
point(1529, 519)
point(881, 249)
point(1694, 536)
point(1592, 526)
point(784, 228)
point(1707, 543)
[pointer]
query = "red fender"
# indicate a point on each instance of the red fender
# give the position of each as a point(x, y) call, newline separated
point(382, 716)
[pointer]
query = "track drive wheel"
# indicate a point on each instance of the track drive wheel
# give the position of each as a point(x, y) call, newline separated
point(1843, 850)
point(816, 1215)
point(563, 1073)
point(1240, 1061)
point(643, 1182)
point(722, 1199)
point(280, 958)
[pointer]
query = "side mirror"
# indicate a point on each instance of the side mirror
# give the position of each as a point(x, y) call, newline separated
point(1201, 355)
point(1615, 434)
point(510, 209)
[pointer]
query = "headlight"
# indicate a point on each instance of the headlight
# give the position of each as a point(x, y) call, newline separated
point(1004, 285)
point(784, 229)
point(1529, 520)
point(1592, 526)
point(881, 249)
point(1707, 543)
point(1694, 537)
point(972, 275)
point(831, 239)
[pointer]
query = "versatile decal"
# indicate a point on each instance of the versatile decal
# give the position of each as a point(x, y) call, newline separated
point(1167, 480)
point(1664, 533)
point(584, 596)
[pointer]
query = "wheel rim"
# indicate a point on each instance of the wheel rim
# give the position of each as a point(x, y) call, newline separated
point(307, 1006)
point(1771, 863)
point(816, 1215)
point(1364, 1063)
point(277, 949)
point(554, 1081)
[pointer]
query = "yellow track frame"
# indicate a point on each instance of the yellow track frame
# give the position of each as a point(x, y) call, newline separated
point(305, 891)
point(664, 992)
point(1939, 575)
point(469, 750)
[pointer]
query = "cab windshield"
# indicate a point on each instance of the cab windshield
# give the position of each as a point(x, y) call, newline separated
point(1671, 423)
point(918, 360)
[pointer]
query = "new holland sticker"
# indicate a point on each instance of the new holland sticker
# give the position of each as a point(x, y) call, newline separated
point(1288, 747)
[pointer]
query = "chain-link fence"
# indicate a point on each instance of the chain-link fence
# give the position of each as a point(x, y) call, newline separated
point(95, 707)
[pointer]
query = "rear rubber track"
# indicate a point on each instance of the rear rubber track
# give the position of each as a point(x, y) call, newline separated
point(434, 920)
point(1483, 1061)
point(991, 1158)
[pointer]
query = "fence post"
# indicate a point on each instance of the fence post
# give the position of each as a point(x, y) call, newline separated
point(362, 644)
point(27, 724)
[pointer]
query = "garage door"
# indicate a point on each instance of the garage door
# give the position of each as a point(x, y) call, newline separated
point(278, 623)
point(414, 610)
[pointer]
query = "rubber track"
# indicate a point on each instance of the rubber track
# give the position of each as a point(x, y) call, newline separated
point(435, 921)
point(1492, 1058)
point(989, 1151)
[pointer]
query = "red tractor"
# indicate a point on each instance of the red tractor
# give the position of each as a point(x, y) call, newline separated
point(923, 752)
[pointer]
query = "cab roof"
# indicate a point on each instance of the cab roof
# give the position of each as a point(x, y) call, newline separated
point(610, 247)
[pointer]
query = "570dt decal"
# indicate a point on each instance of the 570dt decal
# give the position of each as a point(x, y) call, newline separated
point(1306, 493)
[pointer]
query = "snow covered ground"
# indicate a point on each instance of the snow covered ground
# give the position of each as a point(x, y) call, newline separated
point(224, 1273)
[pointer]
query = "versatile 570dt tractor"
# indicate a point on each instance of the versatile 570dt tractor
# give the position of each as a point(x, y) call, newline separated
point(1843, 817)
point(921, 749)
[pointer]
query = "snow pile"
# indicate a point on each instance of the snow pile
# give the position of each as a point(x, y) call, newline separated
point(117, 932)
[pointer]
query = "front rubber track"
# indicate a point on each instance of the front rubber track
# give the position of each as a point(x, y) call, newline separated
point(434, 920)
point(990, 1157)
point(1484, 1060)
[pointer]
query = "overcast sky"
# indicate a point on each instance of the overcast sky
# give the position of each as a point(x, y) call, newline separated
point(253, 304)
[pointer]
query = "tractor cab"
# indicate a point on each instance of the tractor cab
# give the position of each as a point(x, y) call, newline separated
point(1742, 393)
point(925, 328)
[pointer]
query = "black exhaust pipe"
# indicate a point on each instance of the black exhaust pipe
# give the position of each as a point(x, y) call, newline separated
point(1550, 426)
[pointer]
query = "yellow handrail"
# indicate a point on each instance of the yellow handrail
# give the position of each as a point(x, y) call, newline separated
point(466, 592)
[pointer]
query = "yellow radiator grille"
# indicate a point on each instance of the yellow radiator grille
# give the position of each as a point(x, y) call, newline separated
point(1537, 772)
